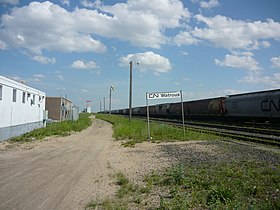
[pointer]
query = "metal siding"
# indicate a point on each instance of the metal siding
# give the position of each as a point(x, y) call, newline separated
point(263, 104)
point(18, 113)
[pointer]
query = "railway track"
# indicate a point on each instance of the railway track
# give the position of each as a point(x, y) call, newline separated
point(259, 135)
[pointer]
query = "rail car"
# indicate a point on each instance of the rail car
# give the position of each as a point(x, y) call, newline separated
point(257, 106)
point(263, 106)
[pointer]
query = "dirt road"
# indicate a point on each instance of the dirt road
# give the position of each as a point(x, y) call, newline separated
point(64, 173)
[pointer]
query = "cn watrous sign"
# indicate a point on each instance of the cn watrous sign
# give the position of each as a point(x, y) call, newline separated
point(162, 95)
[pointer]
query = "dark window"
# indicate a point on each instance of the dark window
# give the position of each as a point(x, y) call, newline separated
point(1, 89)
point(14, 95)
point(33, 100)
point(23, 97)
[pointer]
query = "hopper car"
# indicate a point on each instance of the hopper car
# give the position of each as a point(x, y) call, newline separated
point(262, 106)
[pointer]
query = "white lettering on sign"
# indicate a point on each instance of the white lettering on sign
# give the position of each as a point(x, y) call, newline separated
point(164, 95)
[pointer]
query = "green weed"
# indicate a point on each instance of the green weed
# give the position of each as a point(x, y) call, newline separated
point(243, 185)
point(236, 185)
point(64, 128)
point(136, 131)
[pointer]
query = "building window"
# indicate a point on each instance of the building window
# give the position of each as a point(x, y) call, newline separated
point(14, 95)
point(23, 97)
point(32, 100)
point(1, 89)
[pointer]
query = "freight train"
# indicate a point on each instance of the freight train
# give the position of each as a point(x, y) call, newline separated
point(261, 106)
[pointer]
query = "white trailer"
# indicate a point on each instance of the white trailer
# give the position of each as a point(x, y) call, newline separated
point(22, 108)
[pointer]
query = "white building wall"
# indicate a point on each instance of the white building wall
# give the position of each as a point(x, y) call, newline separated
point(88, 110)
point(22, 112)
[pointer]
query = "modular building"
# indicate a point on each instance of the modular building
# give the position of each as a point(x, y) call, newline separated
point(22, 108)
point(59, 108)
point(75, 113)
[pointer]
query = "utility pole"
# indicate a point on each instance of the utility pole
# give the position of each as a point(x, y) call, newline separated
point(130, 89)
point(104, 104)
point(100, 106)
point(110, 98)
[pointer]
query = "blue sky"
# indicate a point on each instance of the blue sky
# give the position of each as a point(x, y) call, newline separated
point(206, 48)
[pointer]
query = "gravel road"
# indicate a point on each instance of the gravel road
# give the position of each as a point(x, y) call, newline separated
point(62, 173)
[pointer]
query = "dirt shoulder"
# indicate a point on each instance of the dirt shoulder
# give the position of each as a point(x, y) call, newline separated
point(69, 172)
point(61, 173)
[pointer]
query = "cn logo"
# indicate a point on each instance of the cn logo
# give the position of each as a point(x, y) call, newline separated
point(270, 105)
point(153, 95)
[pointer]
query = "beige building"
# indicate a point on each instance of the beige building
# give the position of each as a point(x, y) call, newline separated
point(59, 108)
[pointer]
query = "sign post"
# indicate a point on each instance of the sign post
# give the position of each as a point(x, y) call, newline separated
point(183, 113)
point(164, 95)
point(148, 117)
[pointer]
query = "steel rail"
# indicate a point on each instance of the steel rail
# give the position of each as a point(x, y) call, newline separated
point(271, 137)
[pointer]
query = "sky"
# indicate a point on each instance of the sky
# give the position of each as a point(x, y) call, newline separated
point(79, 49)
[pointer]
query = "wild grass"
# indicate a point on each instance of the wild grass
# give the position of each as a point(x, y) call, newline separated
point(245, 185)
point(136, 131)
point(64, 128)
point(224, 185)
point(128, 195)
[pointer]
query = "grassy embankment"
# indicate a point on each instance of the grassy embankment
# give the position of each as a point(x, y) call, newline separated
point(225, 185)
point(136, 131)
point(64, 128)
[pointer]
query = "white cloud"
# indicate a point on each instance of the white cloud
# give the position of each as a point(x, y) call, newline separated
point(60, 76)
point(148, 61)
point(168, 12)
point(241, 62)
point(186, 79)
point(90, 4)
point(209, 94)
point(209, 4)
point(143, 22)
point(185, 38)
point(37, 78)
point(41, 76)
point(272, 81)
point(65, 2)
point(3, 45)
point(47, 26)
point(275, 62)
point(245, 53)
point(83, 65)
point(43, 59)
point(236, 34)
point(84, 90)
point(12, 2)
point(184, 53)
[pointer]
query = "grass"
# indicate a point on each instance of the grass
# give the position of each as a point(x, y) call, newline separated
point(227, 185)
point(136, 131)
point(127, 195)
point(245, 185)
point(64, 128)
